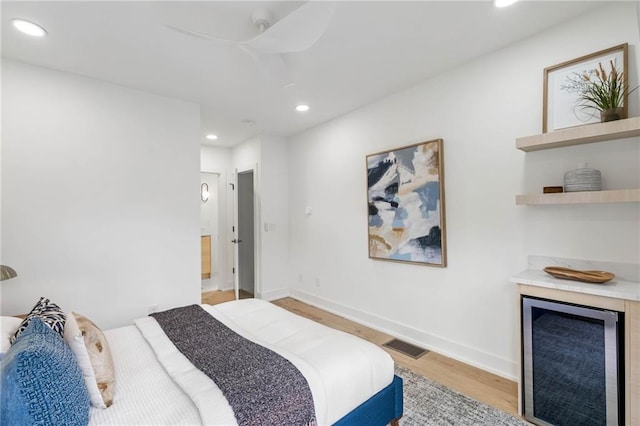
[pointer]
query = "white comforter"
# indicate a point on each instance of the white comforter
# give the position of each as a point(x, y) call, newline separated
point(342, 370)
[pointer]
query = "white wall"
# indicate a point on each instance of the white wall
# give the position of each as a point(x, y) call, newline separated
point(274, 188)
point(214, 159)
point(467, 310)
point(100, 196)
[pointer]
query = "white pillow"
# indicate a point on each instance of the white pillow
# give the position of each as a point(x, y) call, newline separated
point(90, 347)
point(8, 326)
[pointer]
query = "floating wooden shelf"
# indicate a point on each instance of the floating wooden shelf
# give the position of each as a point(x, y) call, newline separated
point(578, 135)
point(614, 196)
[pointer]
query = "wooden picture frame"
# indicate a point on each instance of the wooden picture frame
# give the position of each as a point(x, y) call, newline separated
point(405, 198)
point(561, 107)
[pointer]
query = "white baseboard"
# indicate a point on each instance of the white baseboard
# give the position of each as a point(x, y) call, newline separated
point(227, 286)
point(208, 285)
point(274, 294)
point(485, 361)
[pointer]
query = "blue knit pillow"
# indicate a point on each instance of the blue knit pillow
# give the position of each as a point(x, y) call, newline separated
point(41, 381)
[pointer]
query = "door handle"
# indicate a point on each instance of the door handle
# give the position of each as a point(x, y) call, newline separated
point(236, 241)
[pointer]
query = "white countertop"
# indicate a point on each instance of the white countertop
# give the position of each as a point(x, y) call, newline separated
point(618, 289)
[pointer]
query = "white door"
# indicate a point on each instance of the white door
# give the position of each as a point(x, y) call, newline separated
point(244, 234)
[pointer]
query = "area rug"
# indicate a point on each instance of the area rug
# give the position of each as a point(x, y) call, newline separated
point(430, 403)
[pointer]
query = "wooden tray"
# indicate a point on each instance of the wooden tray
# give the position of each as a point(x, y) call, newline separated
point(596, 277)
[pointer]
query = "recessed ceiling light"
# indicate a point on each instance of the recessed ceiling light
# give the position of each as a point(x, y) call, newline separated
point(212, 137)
point(503, 3)
point(302, 108)
point(28, 27)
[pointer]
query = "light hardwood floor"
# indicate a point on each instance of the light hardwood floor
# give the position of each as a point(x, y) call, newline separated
point(474, 382)
point(214, 297)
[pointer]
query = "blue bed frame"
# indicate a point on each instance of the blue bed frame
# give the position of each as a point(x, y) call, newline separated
point(381, 409)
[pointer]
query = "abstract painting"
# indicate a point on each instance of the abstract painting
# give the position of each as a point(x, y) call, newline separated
point(406, 204)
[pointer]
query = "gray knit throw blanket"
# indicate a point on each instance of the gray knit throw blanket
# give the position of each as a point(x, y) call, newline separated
point(262, 387)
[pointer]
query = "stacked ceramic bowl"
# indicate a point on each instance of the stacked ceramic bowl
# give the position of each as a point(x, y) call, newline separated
point(583, 179)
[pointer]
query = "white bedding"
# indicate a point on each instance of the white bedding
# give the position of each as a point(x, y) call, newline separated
point(144, 393)
point(342, 370)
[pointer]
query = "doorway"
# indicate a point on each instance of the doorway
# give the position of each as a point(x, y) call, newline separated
point(210, 230)
point(245, 241)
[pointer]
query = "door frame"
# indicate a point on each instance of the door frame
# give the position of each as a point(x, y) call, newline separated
point(257, 235)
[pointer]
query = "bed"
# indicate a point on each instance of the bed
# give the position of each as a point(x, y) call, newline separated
point(351, 381)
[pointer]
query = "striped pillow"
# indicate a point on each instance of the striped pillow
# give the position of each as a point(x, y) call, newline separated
point(49, 313)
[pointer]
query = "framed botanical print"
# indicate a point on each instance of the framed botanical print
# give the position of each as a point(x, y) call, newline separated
point(563, 83)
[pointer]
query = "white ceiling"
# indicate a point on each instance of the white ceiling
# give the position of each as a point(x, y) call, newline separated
point(370, 49)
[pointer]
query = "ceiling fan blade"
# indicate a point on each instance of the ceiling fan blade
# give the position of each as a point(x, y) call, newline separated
point(638, 11)
point(297, 31)
point(271, 66)
point(199, 35)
